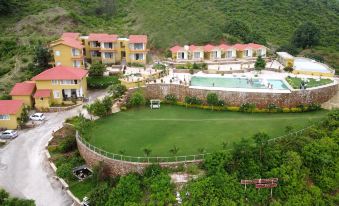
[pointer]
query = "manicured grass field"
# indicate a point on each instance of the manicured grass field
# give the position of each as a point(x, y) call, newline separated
point(295, 82)
point(189, 129)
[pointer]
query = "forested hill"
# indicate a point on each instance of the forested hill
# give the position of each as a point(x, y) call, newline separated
point(166, 22)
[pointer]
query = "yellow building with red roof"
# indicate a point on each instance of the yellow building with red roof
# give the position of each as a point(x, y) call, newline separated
point(10, 111)
point(60, 85)
point(24, 91)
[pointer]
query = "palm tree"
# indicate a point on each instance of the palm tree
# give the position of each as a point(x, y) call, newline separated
point(174, 150)
point(147, 151)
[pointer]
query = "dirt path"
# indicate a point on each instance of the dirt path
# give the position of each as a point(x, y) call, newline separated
point(24, 169)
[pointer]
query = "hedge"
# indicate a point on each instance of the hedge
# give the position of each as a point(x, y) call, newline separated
point(101, 82)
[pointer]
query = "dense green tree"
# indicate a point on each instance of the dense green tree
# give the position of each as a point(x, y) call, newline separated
point(6, 7)
point(261, 139)
point(97, 69)
point(237, 28)
point(41, 58)
point(99, 195)
point(306, 35)
point(212, 99)
point(128, 190)
point(108, 103)
point(137, 99)
point(161, 189)
point(116, 90)
point(216, 162)
point(260, 64)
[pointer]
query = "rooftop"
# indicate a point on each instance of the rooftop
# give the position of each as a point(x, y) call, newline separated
point(23, 89)
point(10, 106)
point(42, 93)
point(103, 37)
point(61, 73)
point(137, 38)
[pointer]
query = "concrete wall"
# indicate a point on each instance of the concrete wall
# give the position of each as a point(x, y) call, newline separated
point(318, 96)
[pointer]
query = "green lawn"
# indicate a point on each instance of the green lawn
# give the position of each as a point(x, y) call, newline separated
point(189, 129)
point(295, 82)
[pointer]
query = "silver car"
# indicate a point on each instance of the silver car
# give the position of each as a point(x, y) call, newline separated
point(9, 134)
point(37, 117)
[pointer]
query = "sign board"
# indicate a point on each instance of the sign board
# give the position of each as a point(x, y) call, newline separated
point(265, 185)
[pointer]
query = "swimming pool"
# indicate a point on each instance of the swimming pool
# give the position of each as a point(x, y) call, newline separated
point(229, 82)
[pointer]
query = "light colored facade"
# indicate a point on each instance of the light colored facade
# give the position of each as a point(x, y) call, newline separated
point(10, 111)
point(285, 59)
point(68, 51)
point(220, 52)
point(60, 85)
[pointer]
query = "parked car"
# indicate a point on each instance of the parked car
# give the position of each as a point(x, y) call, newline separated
point(9, 134)
point(37, 117)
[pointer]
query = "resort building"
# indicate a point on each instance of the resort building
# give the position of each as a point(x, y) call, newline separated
point(60, 85)
point(10, 111)
point(68, 51)
point(211, 52)
point(24, 91)
point(285, 59)
point(73, 50)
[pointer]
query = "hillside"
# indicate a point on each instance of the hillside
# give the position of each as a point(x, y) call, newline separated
point(165, 22)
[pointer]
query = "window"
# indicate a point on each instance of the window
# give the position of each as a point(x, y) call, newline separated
point(108, 55)
point(67, 82)
point(56, 94)
point(247, 53)
point(75, 52)
point(139, 56)
point(4, 117)
point(108, 45)
point(57, 53)
point(76, 63)
point(229, 54)
point(214, 54)
point(138, 46)
point(196, 55)
point(55, 82)
point(181, 55)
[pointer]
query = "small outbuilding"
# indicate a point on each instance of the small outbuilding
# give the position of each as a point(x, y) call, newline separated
point(10, 111)
point(24, 91)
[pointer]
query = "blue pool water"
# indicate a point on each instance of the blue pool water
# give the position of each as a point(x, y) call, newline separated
point(235, 83)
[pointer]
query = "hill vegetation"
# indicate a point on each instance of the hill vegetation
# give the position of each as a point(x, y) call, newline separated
point(168, 22)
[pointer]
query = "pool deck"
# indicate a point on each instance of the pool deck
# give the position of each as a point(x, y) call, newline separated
point(276, 91)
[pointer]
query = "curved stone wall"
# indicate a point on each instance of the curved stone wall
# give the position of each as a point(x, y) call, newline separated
point(118, 167)
point(237, 98)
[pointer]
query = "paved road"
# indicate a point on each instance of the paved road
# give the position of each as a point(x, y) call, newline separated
point(24, 169)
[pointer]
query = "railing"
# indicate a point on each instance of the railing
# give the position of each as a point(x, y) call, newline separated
point(173, 159)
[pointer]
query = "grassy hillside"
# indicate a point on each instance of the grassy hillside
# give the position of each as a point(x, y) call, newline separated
point(166, 22)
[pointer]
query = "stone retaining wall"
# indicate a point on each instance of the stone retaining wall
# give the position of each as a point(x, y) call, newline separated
point(237, 98)
point(118, 167)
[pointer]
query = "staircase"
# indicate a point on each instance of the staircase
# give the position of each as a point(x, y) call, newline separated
point(333, 103)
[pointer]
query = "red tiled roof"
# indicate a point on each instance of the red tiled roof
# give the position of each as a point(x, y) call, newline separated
point(137, 39)
point(196, 48)
point(61, 73)
point(10, 106)
point(176, 48)
point(42, 93)
point(70, 35)
point(21, 89)
point(225, 46)
point(102, 37)
point(255, 46)
point(209, 47)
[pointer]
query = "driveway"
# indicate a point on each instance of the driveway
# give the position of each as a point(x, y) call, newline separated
point(24, 169)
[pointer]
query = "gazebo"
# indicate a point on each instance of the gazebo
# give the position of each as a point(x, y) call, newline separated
point(155, 104)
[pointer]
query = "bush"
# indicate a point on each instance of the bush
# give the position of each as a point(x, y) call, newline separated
point(137, 99)
point(314, 107)
point(288, 69)
point(96, 69)
point(194, 66)
point(101, 108)
point(67, 145)
point(117, 90)
point(102, 82)
point(193, 100)
point(159, 66)
point(192, 169)
point(247, 107)
point(135, 64)
point(171, 98)
point(65, 171)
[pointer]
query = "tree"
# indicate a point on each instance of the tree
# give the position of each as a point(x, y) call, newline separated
point(42, 57)
point(288, 69)
point(6, 7)
point(23, 119)
point(116, 90)
point(237, 28)
point(174, 150)
point(137, 99)
point(147, 152)
point(306, 35)
point(127, 191)
point(99, 195)
point(216, 162)
point(212, 99)
point(97, 69)
point(261, 140)
point(260, 64)
point(161, 189)
point(107, 102)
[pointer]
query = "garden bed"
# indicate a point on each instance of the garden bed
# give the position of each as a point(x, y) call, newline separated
point(295, 82)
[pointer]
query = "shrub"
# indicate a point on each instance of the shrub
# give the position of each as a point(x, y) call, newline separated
point(159, 66)
point(67, 145)
point(135, 64)
point(247, 107)
point(288, 69)
point(65, 170)
point(96, 69)
point(137, 99)
point(192, 169)
point(193, 100)
point(100, 108)
point(102, 82)
point(212, 99)
point(314, 107)
point(171, 98)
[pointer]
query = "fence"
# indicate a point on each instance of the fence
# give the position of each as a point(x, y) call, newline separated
point(173, 159)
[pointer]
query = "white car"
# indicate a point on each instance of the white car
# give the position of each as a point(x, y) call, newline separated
point(37, 117)
point(9, 134)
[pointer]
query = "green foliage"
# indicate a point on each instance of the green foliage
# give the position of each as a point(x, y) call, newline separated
point(65, 170)
point(194, 66)
point(216, 162)
point(159, 67)
point(260, 64)
point(171, 98)
point(68, 144)
point(238, 28)
point(174, 150)
point(289, 48)
point(24, 117)
point(137, 99)
point(117, 90)
point(193, 100)
point(100, 108)
point(135, 64)
point(97, 69)
point(127, 191)
point(6, 7)
point(6, 200)
point(306, 35)
point(212, 99)
point(288, 69)
point(98, 82)
point(99, 195)
point(161, 189)
point(295, 82)
point(247, 107)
